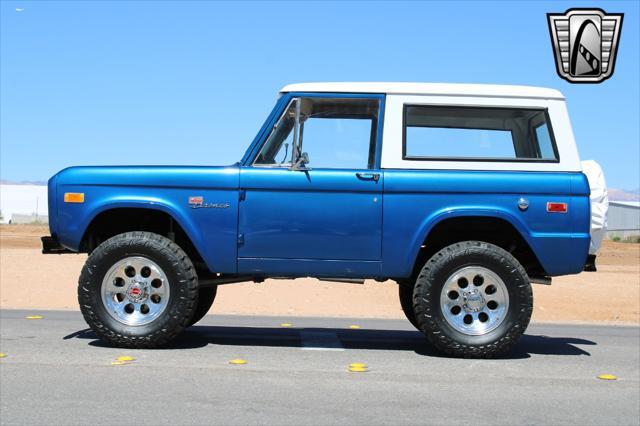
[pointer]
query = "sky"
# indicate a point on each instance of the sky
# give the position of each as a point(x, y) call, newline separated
point(94, 83)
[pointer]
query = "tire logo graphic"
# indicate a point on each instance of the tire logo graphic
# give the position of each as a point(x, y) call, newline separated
point(585, 43)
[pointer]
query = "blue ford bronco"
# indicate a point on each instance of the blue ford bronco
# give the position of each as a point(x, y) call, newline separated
point(462, 194)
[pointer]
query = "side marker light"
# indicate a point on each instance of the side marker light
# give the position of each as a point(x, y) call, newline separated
point(557, 207)
point(74, 197)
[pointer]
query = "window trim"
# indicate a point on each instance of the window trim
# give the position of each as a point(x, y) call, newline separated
point(551, 137)
point(477, 159)
point(266, 139)
point(281, 107)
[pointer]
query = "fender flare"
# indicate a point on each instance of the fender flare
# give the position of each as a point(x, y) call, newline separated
point(149, 204)
point(440, 216)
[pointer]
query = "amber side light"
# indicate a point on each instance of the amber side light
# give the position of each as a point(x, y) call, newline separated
point(74, 197)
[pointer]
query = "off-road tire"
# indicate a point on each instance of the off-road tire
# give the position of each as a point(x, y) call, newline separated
point(183, 290)
point(405, 293)
point(430, 281)
point(206, 296)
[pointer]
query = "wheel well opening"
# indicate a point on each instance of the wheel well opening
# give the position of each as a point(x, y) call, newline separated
point(488, 229)
point(117, 221)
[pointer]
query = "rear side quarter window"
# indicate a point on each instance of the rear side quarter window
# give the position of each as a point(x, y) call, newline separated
point(477, 134)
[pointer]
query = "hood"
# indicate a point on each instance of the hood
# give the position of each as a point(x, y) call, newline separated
point(150, 176)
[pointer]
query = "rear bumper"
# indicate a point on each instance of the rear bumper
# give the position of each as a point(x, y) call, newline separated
point(51, 246)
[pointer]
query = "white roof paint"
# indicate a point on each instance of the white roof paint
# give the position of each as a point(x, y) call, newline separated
point(392, 156)
point(433, 89)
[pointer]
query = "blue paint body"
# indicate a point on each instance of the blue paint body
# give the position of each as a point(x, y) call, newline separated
point(560, 241)
point(290, 219)
point(212, 231)
point(327, 222)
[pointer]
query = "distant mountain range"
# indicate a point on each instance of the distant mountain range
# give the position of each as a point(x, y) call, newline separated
point(620, 195)
point(614, 194)
point(24, 182)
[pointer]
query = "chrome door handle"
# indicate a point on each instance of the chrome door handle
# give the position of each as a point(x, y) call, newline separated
point(368, 176)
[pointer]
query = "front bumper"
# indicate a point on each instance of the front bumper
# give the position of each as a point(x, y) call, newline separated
point(51, 246)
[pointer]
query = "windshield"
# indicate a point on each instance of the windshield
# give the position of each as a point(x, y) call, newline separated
point(277, 148)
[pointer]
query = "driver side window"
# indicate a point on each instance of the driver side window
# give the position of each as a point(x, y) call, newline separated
point(334, 133)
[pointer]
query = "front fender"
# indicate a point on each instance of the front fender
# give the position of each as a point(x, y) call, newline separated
point(169, 189)
point(75, 222)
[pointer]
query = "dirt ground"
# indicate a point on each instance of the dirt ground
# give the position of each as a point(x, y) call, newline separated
point(31, 280)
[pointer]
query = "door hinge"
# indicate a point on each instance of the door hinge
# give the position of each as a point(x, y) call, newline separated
point(242, 195)
point(240, 240)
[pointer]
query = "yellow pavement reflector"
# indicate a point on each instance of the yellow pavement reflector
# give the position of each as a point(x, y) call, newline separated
point(358, 365)
point(355, 327)
point(237, 361)
point(120, 362)
point(3, 355)
point(34, 317)
point(358, 369)
point(286, 324)
point(125, 358)
point(607, 377)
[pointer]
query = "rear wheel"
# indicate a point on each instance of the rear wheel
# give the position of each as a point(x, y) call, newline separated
point(473, 299)
point(206, 296)
point(138, 290)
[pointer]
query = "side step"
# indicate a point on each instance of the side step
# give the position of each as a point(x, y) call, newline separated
point(212, 280)
point(335, 280)
point(343, 280)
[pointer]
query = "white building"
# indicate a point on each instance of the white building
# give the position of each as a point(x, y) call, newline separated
point(623, 219)
point(27, 202)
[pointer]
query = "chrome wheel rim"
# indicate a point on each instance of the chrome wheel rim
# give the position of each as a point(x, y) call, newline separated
point(135, 291)
point(474, 300)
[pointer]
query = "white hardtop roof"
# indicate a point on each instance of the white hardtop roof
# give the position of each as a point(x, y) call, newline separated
point(440, 89)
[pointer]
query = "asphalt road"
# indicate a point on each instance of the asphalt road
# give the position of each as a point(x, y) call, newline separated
point(56, 372)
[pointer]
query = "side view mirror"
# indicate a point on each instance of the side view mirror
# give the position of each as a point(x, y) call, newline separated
point(301, 162)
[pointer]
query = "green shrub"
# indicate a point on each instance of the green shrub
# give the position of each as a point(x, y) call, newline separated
point(615, 239)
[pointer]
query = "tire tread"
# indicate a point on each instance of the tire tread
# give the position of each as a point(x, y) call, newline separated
point(173, 322)
point(423, 301)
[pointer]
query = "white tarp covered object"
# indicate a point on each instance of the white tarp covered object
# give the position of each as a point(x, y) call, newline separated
point(599, 202)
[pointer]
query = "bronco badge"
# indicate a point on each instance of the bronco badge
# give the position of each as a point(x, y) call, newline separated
point(198, 203)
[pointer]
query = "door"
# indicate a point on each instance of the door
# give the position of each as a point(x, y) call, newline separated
point(311, 200)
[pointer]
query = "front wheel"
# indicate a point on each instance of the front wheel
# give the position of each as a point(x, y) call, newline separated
point(473, 299)
point(138, 290)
